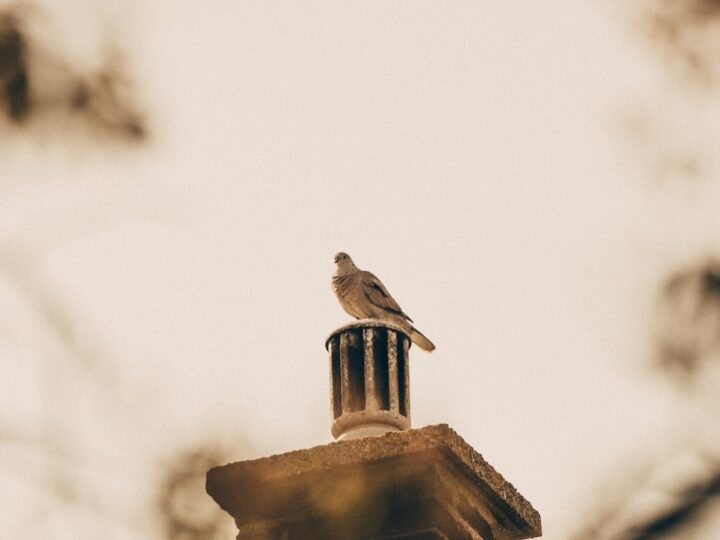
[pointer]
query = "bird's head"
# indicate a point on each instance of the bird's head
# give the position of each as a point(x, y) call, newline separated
point(343, 260)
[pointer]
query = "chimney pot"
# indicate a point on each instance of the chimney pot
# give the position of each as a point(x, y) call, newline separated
point(369, 379)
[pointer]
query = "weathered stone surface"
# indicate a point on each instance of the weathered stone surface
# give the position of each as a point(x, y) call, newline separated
point(422, 483)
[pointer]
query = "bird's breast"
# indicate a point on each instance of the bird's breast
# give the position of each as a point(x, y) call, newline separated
point(347, 292)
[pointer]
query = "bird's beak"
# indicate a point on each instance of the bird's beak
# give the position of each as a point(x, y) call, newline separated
point(337, 259)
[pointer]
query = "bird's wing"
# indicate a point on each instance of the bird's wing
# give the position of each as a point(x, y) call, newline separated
point(376, 293)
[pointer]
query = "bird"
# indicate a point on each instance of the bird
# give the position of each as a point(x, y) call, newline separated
point(363, 296)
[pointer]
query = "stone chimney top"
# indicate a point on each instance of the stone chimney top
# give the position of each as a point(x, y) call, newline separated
point(381, 480)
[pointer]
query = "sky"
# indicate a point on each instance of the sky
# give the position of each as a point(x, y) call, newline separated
point(481, 158)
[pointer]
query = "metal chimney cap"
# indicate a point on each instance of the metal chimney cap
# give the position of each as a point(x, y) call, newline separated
point(366, 323)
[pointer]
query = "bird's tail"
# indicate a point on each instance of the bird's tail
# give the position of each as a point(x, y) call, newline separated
point(420, 340)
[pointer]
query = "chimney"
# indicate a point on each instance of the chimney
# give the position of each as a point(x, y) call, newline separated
point(381, 479)
point(369, 391)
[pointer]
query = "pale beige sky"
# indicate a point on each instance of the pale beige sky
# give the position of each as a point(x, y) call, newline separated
point(471, 154)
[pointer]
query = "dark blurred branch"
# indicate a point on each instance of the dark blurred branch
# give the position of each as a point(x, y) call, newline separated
point(686, 34)
point(686, 510)
point(186, 510)
point(13, 68)
point(638, 516)
point(105, 98)
point(34, 80)
point(689, 320)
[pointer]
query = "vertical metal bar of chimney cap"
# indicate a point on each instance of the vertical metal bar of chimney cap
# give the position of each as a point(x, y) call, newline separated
point(331, 349)
point(393, 370)
point(369, 337)
point(345, 372)
point(406, 382)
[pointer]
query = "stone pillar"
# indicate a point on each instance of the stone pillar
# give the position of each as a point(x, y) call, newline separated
point(418, 484)
point(369, 379)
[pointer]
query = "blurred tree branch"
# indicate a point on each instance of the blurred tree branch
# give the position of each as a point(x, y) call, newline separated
point(187, 512)
point(689, 320)
point(34, 81)
point(686, 33)
point(690, 503)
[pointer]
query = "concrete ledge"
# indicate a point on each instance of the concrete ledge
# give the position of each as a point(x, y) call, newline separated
point(421, 483)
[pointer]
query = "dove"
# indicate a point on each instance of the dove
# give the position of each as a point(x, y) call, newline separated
point(363, 296)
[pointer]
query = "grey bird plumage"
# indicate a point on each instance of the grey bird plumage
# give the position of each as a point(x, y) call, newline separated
point(363, 296)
